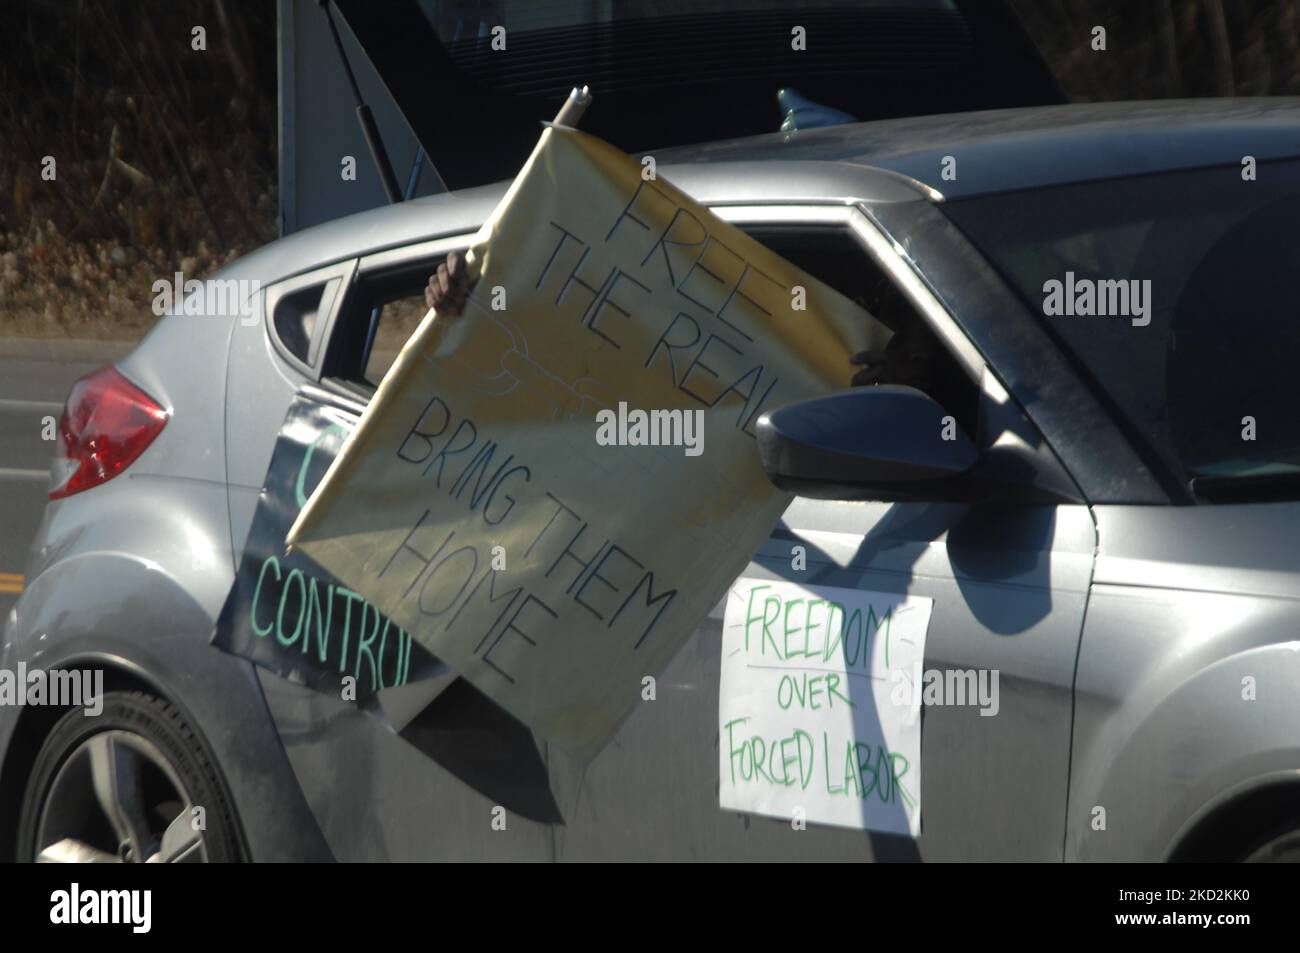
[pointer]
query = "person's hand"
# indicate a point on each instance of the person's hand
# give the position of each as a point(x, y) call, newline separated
point(872, 364)
point(910, 358)
point(449, 286)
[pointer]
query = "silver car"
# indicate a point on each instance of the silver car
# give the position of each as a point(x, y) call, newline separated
point(1121, 548)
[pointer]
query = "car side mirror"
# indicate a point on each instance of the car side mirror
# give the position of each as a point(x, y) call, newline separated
point(869, 443)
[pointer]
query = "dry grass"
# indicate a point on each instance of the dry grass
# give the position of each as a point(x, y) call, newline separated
point(164, 155)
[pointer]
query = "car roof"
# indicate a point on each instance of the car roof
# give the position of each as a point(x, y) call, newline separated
point(884, 161)
point(1011, 149)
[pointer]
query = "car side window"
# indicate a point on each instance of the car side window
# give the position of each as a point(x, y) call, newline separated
point(298, 308)
point(395, 322)
point(1175, 295)
point(905, 350)
point(295, 319)
point(385, 306)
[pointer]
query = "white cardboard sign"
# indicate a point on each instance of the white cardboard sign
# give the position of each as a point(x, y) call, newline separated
point(817, 716)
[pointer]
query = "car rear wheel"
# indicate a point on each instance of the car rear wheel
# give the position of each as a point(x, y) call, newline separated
point(132, 784)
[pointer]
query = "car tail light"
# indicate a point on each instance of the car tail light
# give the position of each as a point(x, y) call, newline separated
point(107, 423)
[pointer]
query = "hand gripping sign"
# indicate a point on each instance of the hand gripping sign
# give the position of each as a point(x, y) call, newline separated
point(474, 504)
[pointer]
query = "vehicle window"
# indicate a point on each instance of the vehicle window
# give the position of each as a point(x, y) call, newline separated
point(396, 321)
point(1175, 295)
point(394, 300)
point(908, 351)
point(296, 314)
point(382, 310)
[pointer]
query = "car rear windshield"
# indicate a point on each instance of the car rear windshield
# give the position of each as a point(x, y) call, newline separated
point(1176, 295)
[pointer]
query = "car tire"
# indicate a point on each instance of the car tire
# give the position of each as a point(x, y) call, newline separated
point(133, 783)
point(1281, 848)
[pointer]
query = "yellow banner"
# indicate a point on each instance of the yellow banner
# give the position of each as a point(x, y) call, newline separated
point(552, 490)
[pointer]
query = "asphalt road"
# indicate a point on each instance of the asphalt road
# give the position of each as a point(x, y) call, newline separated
point(32, 388)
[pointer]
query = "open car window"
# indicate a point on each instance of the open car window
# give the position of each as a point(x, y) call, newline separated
point(391, 299)
point(398, 320)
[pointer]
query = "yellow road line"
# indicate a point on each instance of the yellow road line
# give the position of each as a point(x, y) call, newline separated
point(11, 582)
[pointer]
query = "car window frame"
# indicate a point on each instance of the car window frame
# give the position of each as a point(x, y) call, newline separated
point(272, 294)
point(368, 266)
point(850, 217)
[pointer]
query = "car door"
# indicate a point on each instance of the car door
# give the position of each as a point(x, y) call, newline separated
point(1184, 742)
point(1009, 585)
